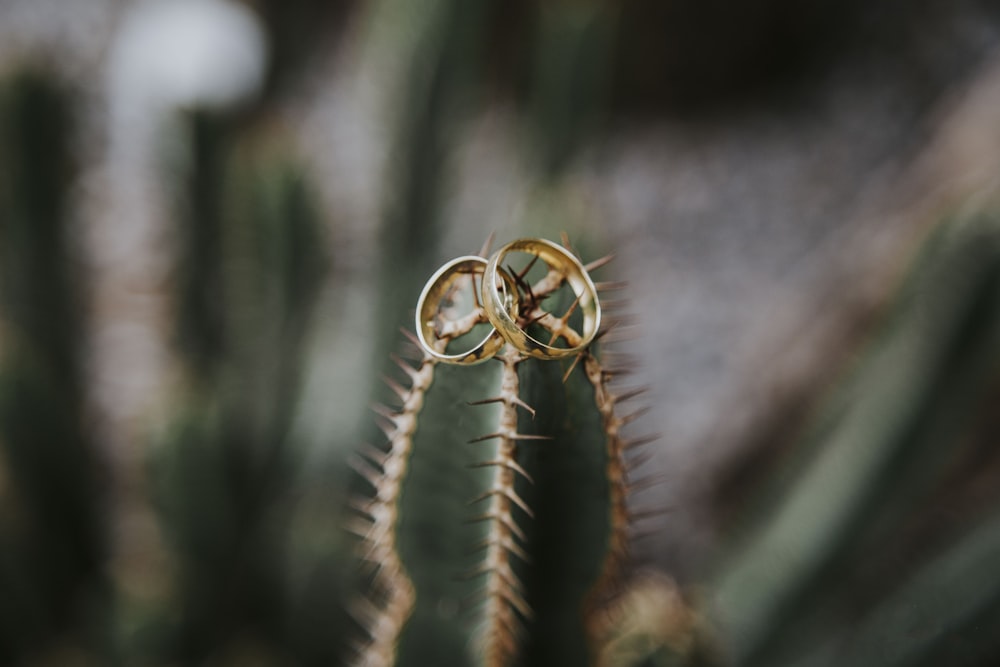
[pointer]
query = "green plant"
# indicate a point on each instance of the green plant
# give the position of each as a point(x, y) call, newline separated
point(499, 508)
point(53, 592)
point(873, 540)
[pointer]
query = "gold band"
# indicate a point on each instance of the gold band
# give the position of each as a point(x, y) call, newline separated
point(429, 307)
point(497, 297)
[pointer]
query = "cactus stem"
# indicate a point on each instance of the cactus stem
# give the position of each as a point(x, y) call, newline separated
point(454, 327)
point(547, 285)
point(504, 590)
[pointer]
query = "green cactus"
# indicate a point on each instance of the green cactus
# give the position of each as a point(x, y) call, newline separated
point(249, 262)
point(874, 540)
point(497, 527)
point(53, 593)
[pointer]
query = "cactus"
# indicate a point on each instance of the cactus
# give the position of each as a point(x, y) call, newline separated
point(875, 541)
point(249, 261)
point(54, 595)
point(497, 526)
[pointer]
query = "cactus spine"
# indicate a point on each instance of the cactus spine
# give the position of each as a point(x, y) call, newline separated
point(460, 540)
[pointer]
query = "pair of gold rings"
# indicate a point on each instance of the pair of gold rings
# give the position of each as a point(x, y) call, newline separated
point(509, 305)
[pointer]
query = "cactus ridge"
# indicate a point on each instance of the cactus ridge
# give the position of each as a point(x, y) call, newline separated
point(504, 589)
point(502, 553)
point(392, 591)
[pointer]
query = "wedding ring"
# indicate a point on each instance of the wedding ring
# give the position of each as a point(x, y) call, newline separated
point(496, 293)
point(438, 290)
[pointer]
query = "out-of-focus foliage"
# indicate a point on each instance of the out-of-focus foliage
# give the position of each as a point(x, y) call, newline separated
point(52, 541)
point(751, 163)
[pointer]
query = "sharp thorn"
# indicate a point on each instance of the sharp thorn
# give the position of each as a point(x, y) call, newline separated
point(639, 515)
point(373, 454)
point(633, 443)
point(510, 463)
point(569, 371)
point(527, 436)
point(486, 401)
point(388, 427)
point(646, 483)
point(383, 411)
point(523, 273)
point(407, 368)
point(412, 337)
point(484, 438)
point(484, 251)
point(564, 237)
point(635, 462)
point(398, 389)
point(632, 416)
point(516, 400)
point(631, 393)
point(599, 262)
point(365, 469)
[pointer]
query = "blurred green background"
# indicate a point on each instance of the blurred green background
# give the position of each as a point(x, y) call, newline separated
point(215, 215)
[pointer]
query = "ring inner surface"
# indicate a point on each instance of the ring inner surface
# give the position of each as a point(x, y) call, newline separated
point(572, 305)
point(450, 319)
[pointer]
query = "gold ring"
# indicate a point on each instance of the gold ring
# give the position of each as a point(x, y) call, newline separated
point(437, 290)
point(496, 298)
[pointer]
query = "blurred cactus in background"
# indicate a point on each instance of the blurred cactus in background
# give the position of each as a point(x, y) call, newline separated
point(55, 592)
point(216, 215)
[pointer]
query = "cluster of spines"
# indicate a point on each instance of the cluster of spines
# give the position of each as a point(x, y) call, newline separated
point(624, 457)
point(392, 596)
point(504, 591)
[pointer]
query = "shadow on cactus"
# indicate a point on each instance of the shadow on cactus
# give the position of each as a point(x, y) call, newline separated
point(497, 530)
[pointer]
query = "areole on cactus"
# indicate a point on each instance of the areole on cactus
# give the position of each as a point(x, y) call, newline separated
point(497, 530)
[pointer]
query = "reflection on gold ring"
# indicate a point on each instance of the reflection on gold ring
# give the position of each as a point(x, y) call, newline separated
point(429, 307)
point(496, 297)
